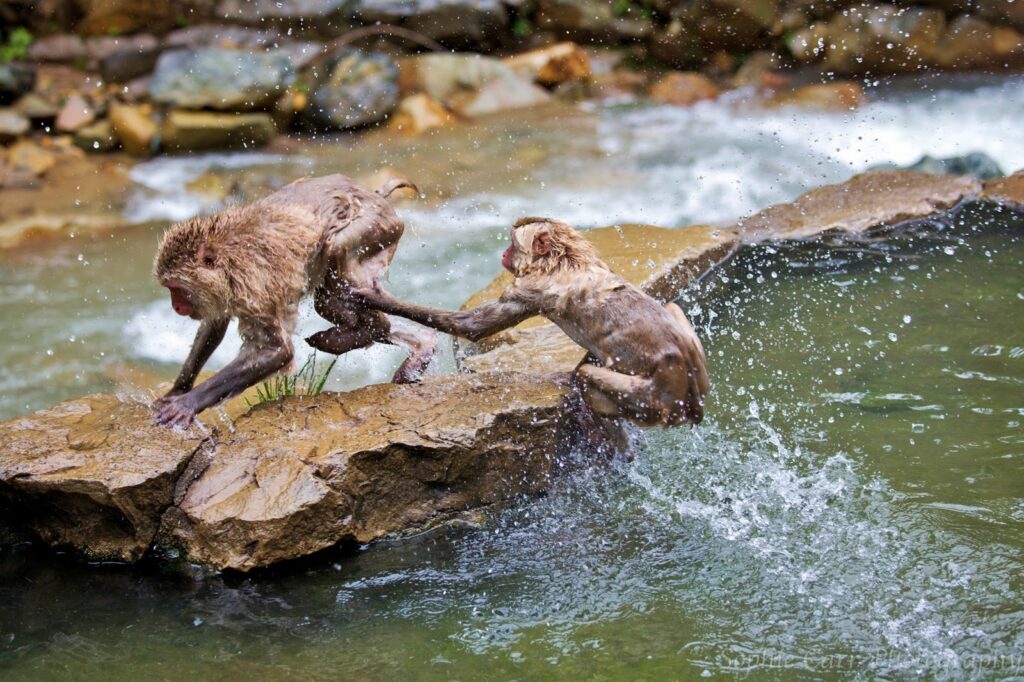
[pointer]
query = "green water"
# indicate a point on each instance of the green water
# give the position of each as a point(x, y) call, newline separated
point(852, 506)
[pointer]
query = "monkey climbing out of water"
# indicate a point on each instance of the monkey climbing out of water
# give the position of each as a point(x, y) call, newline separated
point(644, 361)
point(256, 262)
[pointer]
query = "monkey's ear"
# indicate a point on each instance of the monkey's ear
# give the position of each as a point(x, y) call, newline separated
point(207, 257)
point(541, 243)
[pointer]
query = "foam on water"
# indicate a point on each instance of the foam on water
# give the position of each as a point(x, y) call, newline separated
point(163, 193)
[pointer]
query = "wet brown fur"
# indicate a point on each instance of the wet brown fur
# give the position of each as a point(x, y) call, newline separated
point(255, 263)
point(644, 361)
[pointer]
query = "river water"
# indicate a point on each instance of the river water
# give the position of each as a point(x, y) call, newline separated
point(854, 500)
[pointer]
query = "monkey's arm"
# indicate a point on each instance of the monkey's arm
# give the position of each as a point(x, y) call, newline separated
point(260, 357)
point(475, 324)
point(209, 336)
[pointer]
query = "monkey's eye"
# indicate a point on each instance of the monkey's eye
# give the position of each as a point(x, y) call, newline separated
point(208, 262)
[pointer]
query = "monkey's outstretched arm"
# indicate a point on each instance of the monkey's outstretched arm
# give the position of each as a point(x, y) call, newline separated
point(209, 336)
point(475, 324)
point(257, 360)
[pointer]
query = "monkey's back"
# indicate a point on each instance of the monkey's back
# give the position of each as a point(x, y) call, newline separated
point(360, 227)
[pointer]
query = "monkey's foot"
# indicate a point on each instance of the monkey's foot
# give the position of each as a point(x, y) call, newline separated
point(411, 371)
point(337, 341)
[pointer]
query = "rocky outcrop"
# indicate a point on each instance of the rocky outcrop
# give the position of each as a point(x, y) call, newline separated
point(298, 476)
point(93, 475)
point(97, 476)
point(865, 202)
point(1008, 191)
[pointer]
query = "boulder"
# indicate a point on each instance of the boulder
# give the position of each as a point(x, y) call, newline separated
point(868, 201)
point(197, 130)
point(293, 477)
point(98, 137)
point(75, 114)
point(419, 113)
point(1008, 191)
point(26, 155)
point(498, 95)
point(118, 17)
point(327, 17)
point(134, 128)
point(677, 44)
point(1001, 11)
point(92, 475)
point(355, 89)
point(125, 64)
point(458, 23)
point(883, 38)
point(12, 125)
point(839, 96)
point(37, 108)
point(683, 89)
point(659, 260)
point(216, 78)
point(444, 76)
point(552, 65)
point(972, 43)
point(16, 78)
point(63, 48)
point(101, 48)
point(594, 20)
point(976, 164)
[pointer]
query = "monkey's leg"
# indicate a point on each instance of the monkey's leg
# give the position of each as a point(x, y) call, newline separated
point(419, 341)
point(613, 394)
point(340, 340)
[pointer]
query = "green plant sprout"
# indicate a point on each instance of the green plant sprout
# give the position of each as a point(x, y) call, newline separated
point(307, 381)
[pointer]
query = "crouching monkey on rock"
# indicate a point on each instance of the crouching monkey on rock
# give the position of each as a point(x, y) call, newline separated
point(256, 262)
point(644, 361)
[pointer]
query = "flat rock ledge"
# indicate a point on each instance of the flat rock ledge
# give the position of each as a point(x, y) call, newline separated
point(95, 475)
point(287, 479)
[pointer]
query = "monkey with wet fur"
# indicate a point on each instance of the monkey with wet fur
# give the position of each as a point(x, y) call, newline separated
point(644, 361)
point(256, 262)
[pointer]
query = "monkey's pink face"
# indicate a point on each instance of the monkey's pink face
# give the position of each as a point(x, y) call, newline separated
point(506, 258)
point(181, 299)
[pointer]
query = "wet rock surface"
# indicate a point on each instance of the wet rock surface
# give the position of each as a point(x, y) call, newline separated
point(301, 475)
point(92, 475)
point(1008, 191)
point(97, 476)
point(865, 202)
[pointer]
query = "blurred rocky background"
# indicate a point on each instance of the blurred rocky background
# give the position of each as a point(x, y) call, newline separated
point(102, 75)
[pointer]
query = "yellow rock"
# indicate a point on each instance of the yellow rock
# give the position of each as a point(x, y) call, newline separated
point(840, 96)
point(683, 88)
point(552, 65)
point(419, 113)
point(133, 127)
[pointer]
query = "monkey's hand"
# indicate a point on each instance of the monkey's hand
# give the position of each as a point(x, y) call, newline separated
point(175, 410)
point(374, 296)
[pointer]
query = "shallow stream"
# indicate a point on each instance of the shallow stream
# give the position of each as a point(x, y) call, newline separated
point(853, 502)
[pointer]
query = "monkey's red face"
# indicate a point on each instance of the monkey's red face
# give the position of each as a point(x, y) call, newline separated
point(506, 258)
point(181, 299)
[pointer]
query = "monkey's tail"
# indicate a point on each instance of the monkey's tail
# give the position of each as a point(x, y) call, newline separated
point(396, 183)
